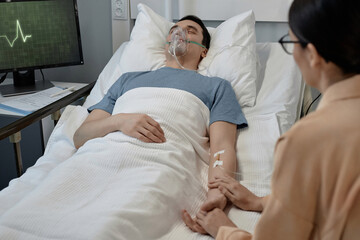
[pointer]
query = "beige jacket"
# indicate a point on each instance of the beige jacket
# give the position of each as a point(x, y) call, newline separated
point(316, 180)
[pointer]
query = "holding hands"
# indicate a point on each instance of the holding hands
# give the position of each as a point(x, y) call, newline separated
point(211, 215)
point(215, 200)
point(239, 195)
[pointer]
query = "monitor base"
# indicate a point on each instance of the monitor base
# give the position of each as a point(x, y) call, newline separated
point(12, 90)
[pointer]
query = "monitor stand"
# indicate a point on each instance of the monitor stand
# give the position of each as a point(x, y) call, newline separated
point(24, 83)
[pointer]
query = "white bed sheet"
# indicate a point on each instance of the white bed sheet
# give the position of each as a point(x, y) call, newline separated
point(278, 102)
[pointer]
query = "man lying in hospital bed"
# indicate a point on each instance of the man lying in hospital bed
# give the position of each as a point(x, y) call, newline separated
point(89, 194)
point(188, 42)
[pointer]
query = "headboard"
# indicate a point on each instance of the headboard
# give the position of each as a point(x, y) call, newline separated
point(271, 15)
point(217, 10)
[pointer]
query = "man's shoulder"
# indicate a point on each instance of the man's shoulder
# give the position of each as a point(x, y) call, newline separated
point(214, 80)
point(134, 74)
point(130, 75)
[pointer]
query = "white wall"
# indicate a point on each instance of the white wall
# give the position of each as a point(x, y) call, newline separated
point(96, 37)
point(270, 31)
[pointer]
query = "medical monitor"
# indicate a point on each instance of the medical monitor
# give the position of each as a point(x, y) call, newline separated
point(37, 34)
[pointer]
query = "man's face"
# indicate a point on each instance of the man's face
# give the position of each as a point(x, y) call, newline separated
point(194, 33)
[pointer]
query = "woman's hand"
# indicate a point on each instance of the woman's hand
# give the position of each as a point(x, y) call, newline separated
point(141, 126)
point(191, 223)
point(213, 220)
point(239, 195)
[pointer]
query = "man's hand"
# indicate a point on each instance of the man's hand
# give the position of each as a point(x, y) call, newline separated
point(213, 220)
point(239, 195)
point(215, 199)
point(142, 127)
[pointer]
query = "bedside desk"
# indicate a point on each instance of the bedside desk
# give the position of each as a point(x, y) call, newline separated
point(12, 129)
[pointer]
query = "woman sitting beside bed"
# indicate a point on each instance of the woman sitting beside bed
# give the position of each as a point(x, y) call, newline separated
point(316, 181)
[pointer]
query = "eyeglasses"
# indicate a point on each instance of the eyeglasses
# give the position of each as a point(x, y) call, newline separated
point(288, 45)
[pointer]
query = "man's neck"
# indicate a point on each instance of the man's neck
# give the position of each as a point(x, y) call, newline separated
point(173, 64)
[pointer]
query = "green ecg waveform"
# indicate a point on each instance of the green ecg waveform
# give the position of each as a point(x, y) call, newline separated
point(18, 29)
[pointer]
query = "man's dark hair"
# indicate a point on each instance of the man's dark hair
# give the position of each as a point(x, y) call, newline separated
point(332, 27)
point(206, 34)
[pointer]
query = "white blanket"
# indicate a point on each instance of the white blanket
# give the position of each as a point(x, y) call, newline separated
point(118, 187)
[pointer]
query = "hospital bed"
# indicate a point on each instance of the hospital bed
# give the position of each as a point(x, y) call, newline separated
point(98, 193)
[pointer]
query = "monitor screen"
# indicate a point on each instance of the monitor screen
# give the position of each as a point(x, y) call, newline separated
point(39, 34)
point(36, 34)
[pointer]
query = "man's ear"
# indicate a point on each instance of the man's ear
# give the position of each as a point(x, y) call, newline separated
point(315, 58)
point(204, 53)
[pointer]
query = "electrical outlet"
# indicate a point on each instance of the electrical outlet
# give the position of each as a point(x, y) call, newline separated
point(119, 9)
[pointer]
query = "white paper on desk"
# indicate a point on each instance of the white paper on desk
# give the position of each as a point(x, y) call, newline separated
point(29, 103)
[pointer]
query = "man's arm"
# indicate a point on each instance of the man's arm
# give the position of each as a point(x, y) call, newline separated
point(222, 137)
point(99, 123)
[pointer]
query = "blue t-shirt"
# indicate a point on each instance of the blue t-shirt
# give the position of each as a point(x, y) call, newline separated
point(216, 93)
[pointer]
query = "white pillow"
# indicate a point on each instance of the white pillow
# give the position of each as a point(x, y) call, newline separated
point(145, 50)
point(231, 55)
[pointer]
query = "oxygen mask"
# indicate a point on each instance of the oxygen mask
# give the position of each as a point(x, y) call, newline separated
point(178, 42)
point(178, 45)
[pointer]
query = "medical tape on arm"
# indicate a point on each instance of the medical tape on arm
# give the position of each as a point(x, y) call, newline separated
point(217, 157)
point(220, 163)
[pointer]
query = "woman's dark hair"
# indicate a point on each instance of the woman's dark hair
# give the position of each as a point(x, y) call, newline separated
point(206, 35)
point(332, 26)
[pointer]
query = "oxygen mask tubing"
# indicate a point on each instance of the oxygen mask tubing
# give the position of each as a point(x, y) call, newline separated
point(179, 44)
